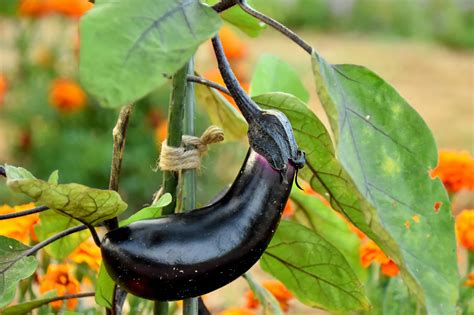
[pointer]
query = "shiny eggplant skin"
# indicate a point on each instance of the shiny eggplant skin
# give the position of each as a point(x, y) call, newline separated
point(190, 254)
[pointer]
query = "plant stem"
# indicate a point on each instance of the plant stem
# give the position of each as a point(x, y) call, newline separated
point(276, 25)
point(190, 306)
point(40, 245)
point(73, 296)
point(224, 5)
point(23, 213)
point(175, 131)
point(211, 84)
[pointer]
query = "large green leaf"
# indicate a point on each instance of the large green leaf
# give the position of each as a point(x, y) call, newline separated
point(313, 270)
point(128, 47)
point(27, 307)
point(221, 113)
point(105, 284)
point(322, 170)
point(330, 226)
point(52, 223)
point(273, 74)
point(239, 18)
point(269, 303)
point(85, 204)
point(388, 150)
point(13, 268)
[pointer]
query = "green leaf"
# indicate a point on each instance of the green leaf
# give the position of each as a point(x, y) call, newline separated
point(313, 270)
point(14, 173)
point(388, 150)
point(128, 47)
point(104, 288)
point(13, 268)
point(267, 300)
point(9, 7)
point(54, 177)
point(322, 170)
point(273, 74)
point(105, 284)
point(26, 307)
point(239, 18)
point(397, 299)
point(78, 201)
point(221, 113)
point(52, 223)
point(154, 211)
point(329, 225)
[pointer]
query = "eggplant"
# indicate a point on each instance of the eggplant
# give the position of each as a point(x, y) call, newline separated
point(189, 254)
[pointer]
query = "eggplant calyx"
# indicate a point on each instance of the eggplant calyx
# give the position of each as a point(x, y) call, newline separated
point(271, 135)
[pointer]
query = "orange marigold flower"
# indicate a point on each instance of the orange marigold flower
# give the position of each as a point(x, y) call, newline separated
point(3, 88)
point(87, 252)
point(67, 96)
point(233, 46)
point(161, 132)
point(470, 280)
point(370, 252)
point(72, 8)
point(289, 209)
point(236, 311)
point(21, 228)
point(277, 289)
point(60, 278)
point(455, 169)
point(465, 228)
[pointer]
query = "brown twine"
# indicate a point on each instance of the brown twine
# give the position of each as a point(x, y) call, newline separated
point(185, 158)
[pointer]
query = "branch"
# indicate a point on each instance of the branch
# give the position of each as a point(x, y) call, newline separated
point(276, 25)
point(72, 296)
point(119, 134)
point(22, 213)
point(37, 247)
point(224, 5)
point(211, 84)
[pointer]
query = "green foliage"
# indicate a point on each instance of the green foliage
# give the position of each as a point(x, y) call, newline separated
point(330, 226)
point(388, 151)
point(142, 43)
point(26, 307)
point(78, 201)
point(313, 270)
point(237, 17)
point(13, 268)
point(273, 74)
point(267, 300)
point(397, 299)
point(221, 113)
point(52, 223)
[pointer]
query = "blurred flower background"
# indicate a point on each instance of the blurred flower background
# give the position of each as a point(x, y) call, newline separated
point(48, 122)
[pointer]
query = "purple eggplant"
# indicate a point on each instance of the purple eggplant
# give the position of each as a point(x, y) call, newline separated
point(190, 254)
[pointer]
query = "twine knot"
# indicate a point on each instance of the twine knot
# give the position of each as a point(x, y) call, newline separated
point(188, 156)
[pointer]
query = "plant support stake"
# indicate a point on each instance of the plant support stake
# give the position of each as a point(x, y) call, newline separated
point(190, 306)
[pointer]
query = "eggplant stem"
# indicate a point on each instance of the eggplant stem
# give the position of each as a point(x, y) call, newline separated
point(249, 109)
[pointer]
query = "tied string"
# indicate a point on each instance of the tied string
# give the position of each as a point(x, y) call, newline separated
point(188, 156)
